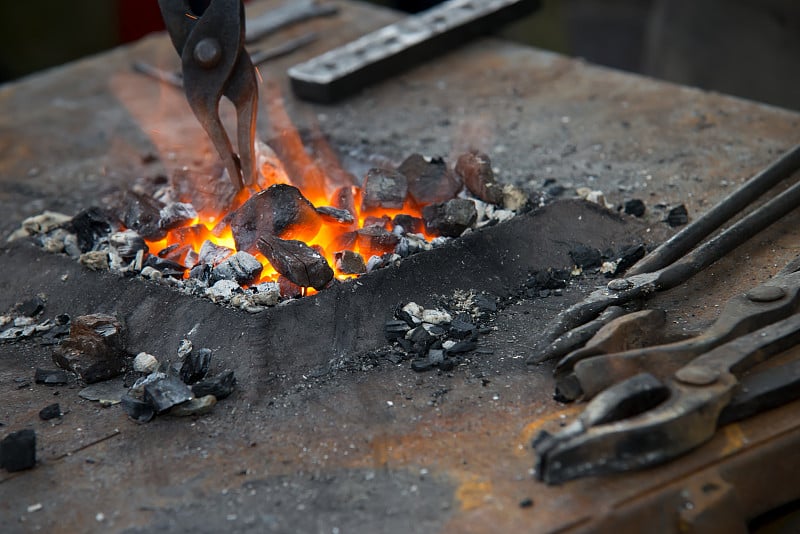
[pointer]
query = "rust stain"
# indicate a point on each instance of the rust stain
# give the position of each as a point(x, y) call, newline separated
point(473, 492)
point(533, 428)
point(735, 439)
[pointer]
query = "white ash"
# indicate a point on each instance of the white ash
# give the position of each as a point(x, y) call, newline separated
point(609, 267)
point(145, 363)
point(151, 273)
point(40, 224)
point(184, 348)
point(222, 290)
point(96, 260)
point(415, 311)
point(436, 317)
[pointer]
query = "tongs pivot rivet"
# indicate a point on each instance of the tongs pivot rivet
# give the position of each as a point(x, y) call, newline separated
point(766, 294)
point(207, 53)
point(696, 375)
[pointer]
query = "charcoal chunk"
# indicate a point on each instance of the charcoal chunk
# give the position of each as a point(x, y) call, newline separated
point(451, 218)
point(138, 410)
point(31, 307)
point(213, 254)
point(484, 304)
point(280, 211)
point(677, 216)
point(127, 244)
point(349, 262)
point(475, 170)
point(298, 262)
point(410, 224)
point(176, 214)
point(466, 345)
point(201, 272)
point(221, 386)
point(242, 268)
point(195, 366)
point(634, 207)
point(94, 350)
point(628, 256)
point(165, 393)
point(384, 188)
point(585, 257)
point(375, 240)
point(143, 214)
point(395, 329)
point(336, 215)
point(461, 327)
point(165, 267)
point(548, 279)
point(91, 226)
point(429, 180)
point(50, 377)
point(18, 451)
point(50, 412)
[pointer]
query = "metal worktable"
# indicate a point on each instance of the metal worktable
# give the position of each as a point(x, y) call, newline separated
point(451, 452)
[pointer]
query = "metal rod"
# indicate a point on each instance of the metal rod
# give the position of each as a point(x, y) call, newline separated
point(683, 241)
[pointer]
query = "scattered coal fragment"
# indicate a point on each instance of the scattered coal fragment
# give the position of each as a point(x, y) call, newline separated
point(126, 244)
point(336, 214)
point(466, 345)
point(91, 226)
point(50, 412)
point(195, 366)
point(432, 360)
point(628, 256)
point(451, 218)
point(475, 170)
point(94, 349)
point(677, 216)
point(429, 180)
point(281, 211)
point(349, 262)
point(384, 188)
point(212, 254)
point(634, 207)
point(585, 257)
point(138, 410)
point(201, 272)
point(288, 289)
point(410, 224)
point(143, 214)
point(221, 386)
point(298, 262)
point(175, 215)
point(395, 329)
point(483, 304)
point(165, 393)
point(50, 377)
point(165, 267)
point(526, 503)
point(375, 240)
point(242, 267)
point(31, 307)
point(421, 339)
point(196, 406)
point(18, 451)
point(461, 326)
point(548, 279)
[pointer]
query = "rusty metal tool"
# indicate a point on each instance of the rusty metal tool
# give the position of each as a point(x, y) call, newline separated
point(673, 272)
point(644, 420)
point(289, 13)
point(216, 64)
point(397, 47)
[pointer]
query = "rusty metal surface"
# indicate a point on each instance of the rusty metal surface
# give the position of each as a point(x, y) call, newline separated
point(451, 453)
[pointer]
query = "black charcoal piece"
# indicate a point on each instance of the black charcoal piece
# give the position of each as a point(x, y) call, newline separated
point(585, 257)
point(127, 244)
point(31, 307)
point(634, 207)
point(242, 268)
point(142, 213)
point(164, 266)
point(484, 304)
point(91, 225)
point(461, 327)
point(395, 329)
point(221, 386)
point(298, 262)
point(451, 218)
point(165, 393)
point(677, 216)
point(463, 346)
point(376, 240)
point(213, 254)
point(50, 377)
point(50, 412)
point(338, 215)
point(139, 411)
point(429, 180)
point(349, 262)
point(18, 451)
point(548, 279)
point(475, 170)
point(93, 349)
point(288, 289)
point(176, 214)
point(555, 190)
point(201, 272)
point(195, 366)
point(196, 406)
point(628, 256)
point(421, 340)
point(526, 503)
point(384, 188)
point(410, 224)
point(344, 198)
point(280, 211)
point(447, 364)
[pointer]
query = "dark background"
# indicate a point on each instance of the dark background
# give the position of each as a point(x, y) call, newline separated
point(748, 48)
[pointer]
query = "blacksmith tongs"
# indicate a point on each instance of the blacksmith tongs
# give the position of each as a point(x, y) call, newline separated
point(641, 420)
point(209, 36)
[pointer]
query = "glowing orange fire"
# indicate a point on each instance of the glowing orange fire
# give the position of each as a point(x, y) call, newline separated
point(320, 181)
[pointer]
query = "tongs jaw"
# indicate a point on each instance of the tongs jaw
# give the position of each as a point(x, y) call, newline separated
point(215, 64)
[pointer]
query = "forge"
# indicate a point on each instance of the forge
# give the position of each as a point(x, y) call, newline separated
point(327, 429)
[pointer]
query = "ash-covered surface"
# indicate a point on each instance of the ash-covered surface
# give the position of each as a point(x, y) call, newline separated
point(78, 133)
